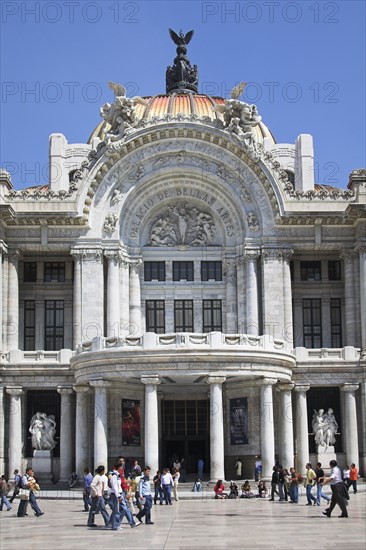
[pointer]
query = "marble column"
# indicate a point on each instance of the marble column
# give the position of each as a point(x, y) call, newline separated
point(217, 450)
point(350, 332)
point(272, 288)
point(288, 328)
point(13, 301)
point(267, 427)
point(100, 423)
point(113, 293)
point(2, 431)
point(77, 321)
point(125, 297)
point(252, 319)
point(231, 297)
point(151, 429)
point(82, 430)
point(302, 429)
point(15, 444)
point(2, 254)
point(5, 297)
point(351, 423)
point(66, 432)
point(286, 442)
point(362, 254)
point(135, 298)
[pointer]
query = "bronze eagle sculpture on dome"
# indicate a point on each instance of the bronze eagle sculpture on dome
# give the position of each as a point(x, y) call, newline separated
point(181, 39)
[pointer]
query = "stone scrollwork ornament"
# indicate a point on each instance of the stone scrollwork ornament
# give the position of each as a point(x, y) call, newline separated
point(121, 114)
point(110, 222)
point(182, 224)
point(252, 222)
point(43, 430)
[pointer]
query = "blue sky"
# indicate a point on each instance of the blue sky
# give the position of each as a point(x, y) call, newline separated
point(304, 62)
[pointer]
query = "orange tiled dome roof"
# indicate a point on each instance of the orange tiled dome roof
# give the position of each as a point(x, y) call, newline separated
point(185, 103)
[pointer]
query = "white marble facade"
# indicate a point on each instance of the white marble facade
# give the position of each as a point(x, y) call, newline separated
point(182, 190)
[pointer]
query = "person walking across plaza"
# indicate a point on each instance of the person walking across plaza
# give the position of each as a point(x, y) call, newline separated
point(88, 478)
point(338, 490)
point(175, 476)
point(97, 500)
point(319, 484)
point(3, 493)
point(145, 496)
point(353, 477)
point(17, 485)
point(29, 484)
point(158, 491)
point(309, 484)
point(274, 482)
point(166, 483)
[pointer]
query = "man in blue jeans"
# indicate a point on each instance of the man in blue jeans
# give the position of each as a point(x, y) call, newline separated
point(145, 495)
point(319, 484)
point(309, 483)
point(166, 483)
point(88, 478)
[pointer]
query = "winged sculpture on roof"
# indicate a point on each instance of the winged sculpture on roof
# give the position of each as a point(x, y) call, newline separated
point(181, 39)
point(240, 119)
point(120, 115)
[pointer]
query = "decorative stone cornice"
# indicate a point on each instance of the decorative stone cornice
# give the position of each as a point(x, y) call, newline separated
point(351, 388)
point(88, 254)
point(149, 380)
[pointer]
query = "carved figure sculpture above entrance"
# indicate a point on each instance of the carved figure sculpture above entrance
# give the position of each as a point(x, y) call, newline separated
point(182, 224)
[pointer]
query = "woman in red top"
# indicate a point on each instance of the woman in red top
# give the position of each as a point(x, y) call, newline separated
point(353, 476)
point(219, 489)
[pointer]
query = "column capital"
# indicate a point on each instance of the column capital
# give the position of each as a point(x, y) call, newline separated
point(150, 380)
point(135, 263)
point(63, 390)
point(114, 255)
point(14, 255)
point(81, 389)
point(266, 382)
point(286, 386)
point(347, 254)
point(14, 390)
point(215, 379)
point(251, 254)
point(100, 383)
point(88, 254)
point(302, 387)
point(350, 387)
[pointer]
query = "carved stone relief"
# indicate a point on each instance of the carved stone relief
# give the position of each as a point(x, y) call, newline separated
point(182, 224)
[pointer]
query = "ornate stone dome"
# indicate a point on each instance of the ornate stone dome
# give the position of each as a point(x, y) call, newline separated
point(186, 104)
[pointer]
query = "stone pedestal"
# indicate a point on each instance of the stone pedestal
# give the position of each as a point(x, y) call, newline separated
point(42, 467)
point(325, 455)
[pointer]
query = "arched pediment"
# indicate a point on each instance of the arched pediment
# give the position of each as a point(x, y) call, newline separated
point(208, 167)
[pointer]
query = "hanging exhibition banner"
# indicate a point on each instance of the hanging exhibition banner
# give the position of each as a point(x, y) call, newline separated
point(239, 421)
point(131, 424)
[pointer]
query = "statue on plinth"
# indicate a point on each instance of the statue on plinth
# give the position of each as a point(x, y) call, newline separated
point(324, 427)
point(43, 430)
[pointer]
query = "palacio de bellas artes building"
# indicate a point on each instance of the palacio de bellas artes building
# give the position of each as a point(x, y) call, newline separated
point(182, 286)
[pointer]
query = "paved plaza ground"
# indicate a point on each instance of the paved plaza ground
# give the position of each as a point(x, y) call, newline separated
point(196, 523)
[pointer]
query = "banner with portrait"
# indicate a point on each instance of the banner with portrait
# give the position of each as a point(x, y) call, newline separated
point(239, 421)
point(131, 424)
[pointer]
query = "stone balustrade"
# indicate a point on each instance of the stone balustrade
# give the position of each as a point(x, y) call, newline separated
point(49, 358)
point(212, 340)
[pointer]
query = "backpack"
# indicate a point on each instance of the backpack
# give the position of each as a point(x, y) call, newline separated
point(18, 481)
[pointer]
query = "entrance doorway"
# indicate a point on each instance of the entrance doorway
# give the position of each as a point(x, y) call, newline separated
point(186, 433)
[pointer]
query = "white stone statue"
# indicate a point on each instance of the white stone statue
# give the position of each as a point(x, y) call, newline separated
point(43, 430)
point(324, 427)
point(240, 118)
point(121, 114)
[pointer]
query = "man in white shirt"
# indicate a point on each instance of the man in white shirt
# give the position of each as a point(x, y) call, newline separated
point(338, 490)
point(97, 500)
point(116, 490)
point(166, 484)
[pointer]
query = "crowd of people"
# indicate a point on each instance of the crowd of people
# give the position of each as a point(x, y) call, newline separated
point(125, 488)
point(286, 484)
